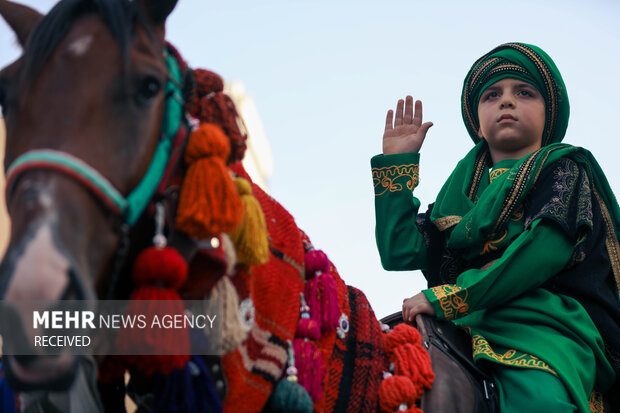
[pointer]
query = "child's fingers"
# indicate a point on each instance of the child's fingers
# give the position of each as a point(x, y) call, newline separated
point(424, 128)
point(389, 119)
point(398, 118)
point(408, 109)
point(417, 117)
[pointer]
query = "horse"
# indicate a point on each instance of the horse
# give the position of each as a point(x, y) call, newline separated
point(98, 113)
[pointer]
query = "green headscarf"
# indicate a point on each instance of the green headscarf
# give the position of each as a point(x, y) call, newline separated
point(528, 63)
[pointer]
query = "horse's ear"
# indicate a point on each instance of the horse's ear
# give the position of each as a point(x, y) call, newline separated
point(22, 19)
point(157, 10)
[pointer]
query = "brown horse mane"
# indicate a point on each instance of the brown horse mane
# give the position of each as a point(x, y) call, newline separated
point(118, 15)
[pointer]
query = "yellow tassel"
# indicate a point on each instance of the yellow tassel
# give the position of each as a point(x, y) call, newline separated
point(250, 237)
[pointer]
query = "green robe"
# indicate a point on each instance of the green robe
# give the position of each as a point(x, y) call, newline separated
point(513, 319)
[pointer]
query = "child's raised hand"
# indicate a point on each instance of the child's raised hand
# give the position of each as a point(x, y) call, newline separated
point(404, 132)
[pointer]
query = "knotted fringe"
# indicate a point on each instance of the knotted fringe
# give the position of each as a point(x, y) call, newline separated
point(157, 274)
point(321, 291)
point(209, 203)
point(308, 358)
point(412, 369)
point(250, 237)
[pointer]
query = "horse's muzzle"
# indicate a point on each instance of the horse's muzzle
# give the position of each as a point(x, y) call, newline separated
point(28, 373)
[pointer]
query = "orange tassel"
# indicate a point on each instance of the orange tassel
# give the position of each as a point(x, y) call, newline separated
point(209, 203)
point(250, 237)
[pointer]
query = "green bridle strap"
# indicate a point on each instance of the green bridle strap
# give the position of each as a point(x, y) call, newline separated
point(131, 206)
point(139, 198)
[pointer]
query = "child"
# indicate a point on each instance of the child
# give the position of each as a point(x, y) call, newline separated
point(521, 245)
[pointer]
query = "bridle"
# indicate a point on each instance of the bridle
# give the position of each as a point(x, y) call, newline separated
point(174, 132)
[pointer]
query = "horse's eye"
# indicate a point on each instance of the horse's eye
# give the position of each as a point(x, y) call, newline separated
point(148, 88)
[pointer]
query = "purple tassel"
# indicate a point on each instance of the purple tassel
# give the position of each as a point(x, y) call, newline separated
point(187, 390)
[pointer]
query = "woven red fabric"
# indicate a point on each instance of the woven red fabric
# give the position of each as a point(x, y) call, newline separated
point(358, 361)
point(254, 368)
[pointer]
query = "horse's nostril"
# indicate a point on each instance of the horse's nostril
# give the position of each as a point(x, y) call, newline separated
point(25, 359)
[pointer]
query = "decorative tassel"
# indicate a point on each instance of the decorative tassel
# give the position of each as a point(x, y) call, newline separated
point(308, 358)
point(250, 237)
point(289, 396)
point(321, 290)
point(187, 390)
point(158, 273)
point(209, 203)
point(404, 348)
point(225, 298)
point(397, 394)
point(231, 255)
point(412, 367)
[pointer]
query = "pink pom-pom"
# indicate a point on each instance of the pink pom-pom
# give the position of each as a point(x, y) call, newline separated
point(315, 262)
point(308, 328)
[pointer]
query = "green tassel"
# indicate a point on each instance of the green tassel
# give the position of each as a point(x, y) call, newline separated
point(290, 397)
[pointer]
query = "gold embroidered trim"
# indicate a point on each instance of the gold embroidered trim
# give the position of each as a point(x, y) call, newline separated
point(490, 245)
point(444, 223)
point(496, 173)
point(611, 242)
point(551, 87)
point(596, 402)
point(384, 179)
point(511, 357)
point(518, 214)
point(452, 300)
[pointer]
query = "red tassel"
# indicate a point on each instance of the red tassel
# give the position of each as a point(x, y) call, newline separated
point(397, 393)
point(404, 348)
point(157, 273)
point(321, 291)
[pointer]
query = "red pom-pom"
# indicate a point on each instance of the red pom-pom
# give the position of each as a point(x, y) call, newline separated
point(397, 391)
point(157, 273)
point(402, 334)
point(165, 267)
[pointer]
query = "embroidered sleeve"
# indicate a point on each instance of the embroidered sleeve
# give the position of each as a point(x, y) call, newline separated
point(393, 173)
point(401, 245)
point(448, 301)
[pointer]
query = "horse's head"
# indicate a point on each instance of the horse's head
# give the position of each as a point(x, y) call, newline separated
point(83, 107)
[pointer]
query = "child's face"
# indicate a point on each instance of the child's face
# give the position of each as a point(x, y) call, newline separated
point(512, 118)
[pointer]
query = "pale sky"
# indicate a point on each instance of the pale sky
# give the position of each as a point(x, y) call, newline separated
point(323, 74)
